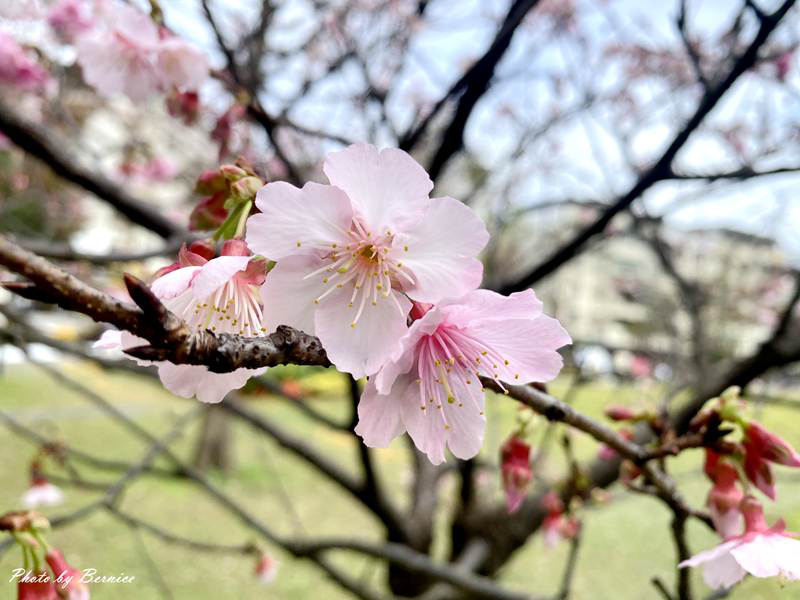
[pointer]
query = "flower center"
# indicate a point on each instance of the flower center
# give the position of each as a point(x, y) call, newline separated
point(368, 263)
point(234, 308)
point(450, 359)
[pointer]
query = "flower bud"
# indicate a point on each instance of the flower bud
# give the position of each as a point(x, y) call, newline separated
point(266, 568)
point(516, 471)
point(246, 188)
point(620, 413)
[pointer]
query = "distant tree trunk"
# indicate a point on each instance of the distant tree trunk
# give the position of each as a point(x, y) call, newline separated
point(215, 445)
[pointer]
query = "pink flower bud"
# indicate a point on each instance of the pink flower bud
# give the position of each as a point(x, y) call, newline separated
point(754, 521)
point(266, 568)
point(40, 587)
point(769, 446)
point(203, 248)
point(72, 587)
point(724, 499)
point(620, 413)
point(209, 214)
point(516, 471)
point(235, 248)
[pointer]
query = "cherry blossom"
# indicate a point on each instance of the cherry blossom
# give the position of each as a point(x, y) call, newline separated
point(68, 578)
point(761, 551)
point(515, 466)
point(761, 448)
point(431, 386)
point(125, 53)
point(17, 68)
point(40, 587)
point(266, 568)
point(221, 295)
point(42, 493)
point(724, 499)
point(555, 525)
point(352, 253)
point(70, 18)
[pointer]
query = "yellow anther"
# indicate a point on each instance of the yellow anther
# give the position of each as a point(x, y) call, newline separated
point(299, 244)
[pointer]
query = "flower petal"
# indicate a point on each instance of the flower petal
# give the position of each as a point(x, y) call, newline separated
point(528, 346)
point(187, 381)
point(298, 221)
point(485, 305)
point(441, 253)
point(288, 297)
point(174, 283)
point(388, 188)
point(379, 419)
point(757, 556)
point(363, 349)
point(216, 273)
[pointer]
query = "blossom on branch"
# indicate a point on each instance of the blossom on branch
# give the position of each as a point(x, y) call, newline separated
point(42, 493)
point(761, 448)
point(17, 68)
point(761, 551)
point(67, 577)
point(351, 254)
point(220, 295)
point(515, 466)
point(126, 53)
point(431, 386)
point(266, 568)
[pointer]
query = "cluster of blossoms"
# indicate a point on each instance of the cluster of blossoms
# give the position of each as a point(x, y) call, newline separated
point(750, 545)
point(119, 49)
point(384, 275)
point(45, 574)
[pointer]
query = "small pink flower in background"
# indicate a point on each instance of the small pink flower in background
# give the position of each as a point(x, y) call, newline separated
point(223, 129)
point(42, 588)
point(266, 568)
point(156, 169)
point(221, 295)
point(515, 458)
point(68, 579)
point(42, 493)
point(352, 253)
point(181, 65)
point(761, 551)
point(556, 526)
point(620, 413)
point(125, 53)
point(761, 448)
point(17, 68)
point(724, 499)
point(431, 386)
point(184, 105)
point(70, 18)
point(783, 65)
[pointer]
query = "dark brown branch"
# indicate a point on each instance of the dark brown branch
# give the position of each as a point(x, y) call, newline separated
point(33, 140)
point(662, 169)
point(471, 87)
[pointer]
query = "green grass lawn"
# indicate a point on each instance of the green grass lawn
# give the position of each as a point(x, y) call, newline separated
point(625, 543)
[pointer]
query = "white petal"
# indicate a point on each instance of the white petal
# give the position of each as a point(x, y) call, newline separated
point(363, 349)
point(288, 296)
point(379, 419)
point(441, 253)
point(216, 273)
point(187, 381)
point(298, 221)
point(174, 283)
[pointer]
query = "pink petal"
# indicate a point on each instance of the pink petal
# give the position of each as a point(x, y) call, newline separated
point(187, 381)
point(404, 358)
point(216, 273)
point(484, 305)
point(379, 419)
point(110, 340)
point(459, 425)
point(363, 349)
point(757, 556)
point(181, 65)
point(288, 297)
point(388, 188)
point(787, 552)
point(442, 248)
point(299, 221)
point(174, 283)
point(529, 346)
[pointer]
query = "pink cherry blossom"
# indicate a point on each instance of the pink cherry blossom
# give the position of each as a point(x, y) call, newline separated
point(221, 295)
point(761, 551)
point(125, 53)
point(761, 448)
point(17, 68)
point(555, 525)
point(266, 568)
point(42, 493)
point(724, 499)
point(70, 18)
point(39, 586)
point(515, 467)
point(68, 578)
point(350, 254)
point(430, 387)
